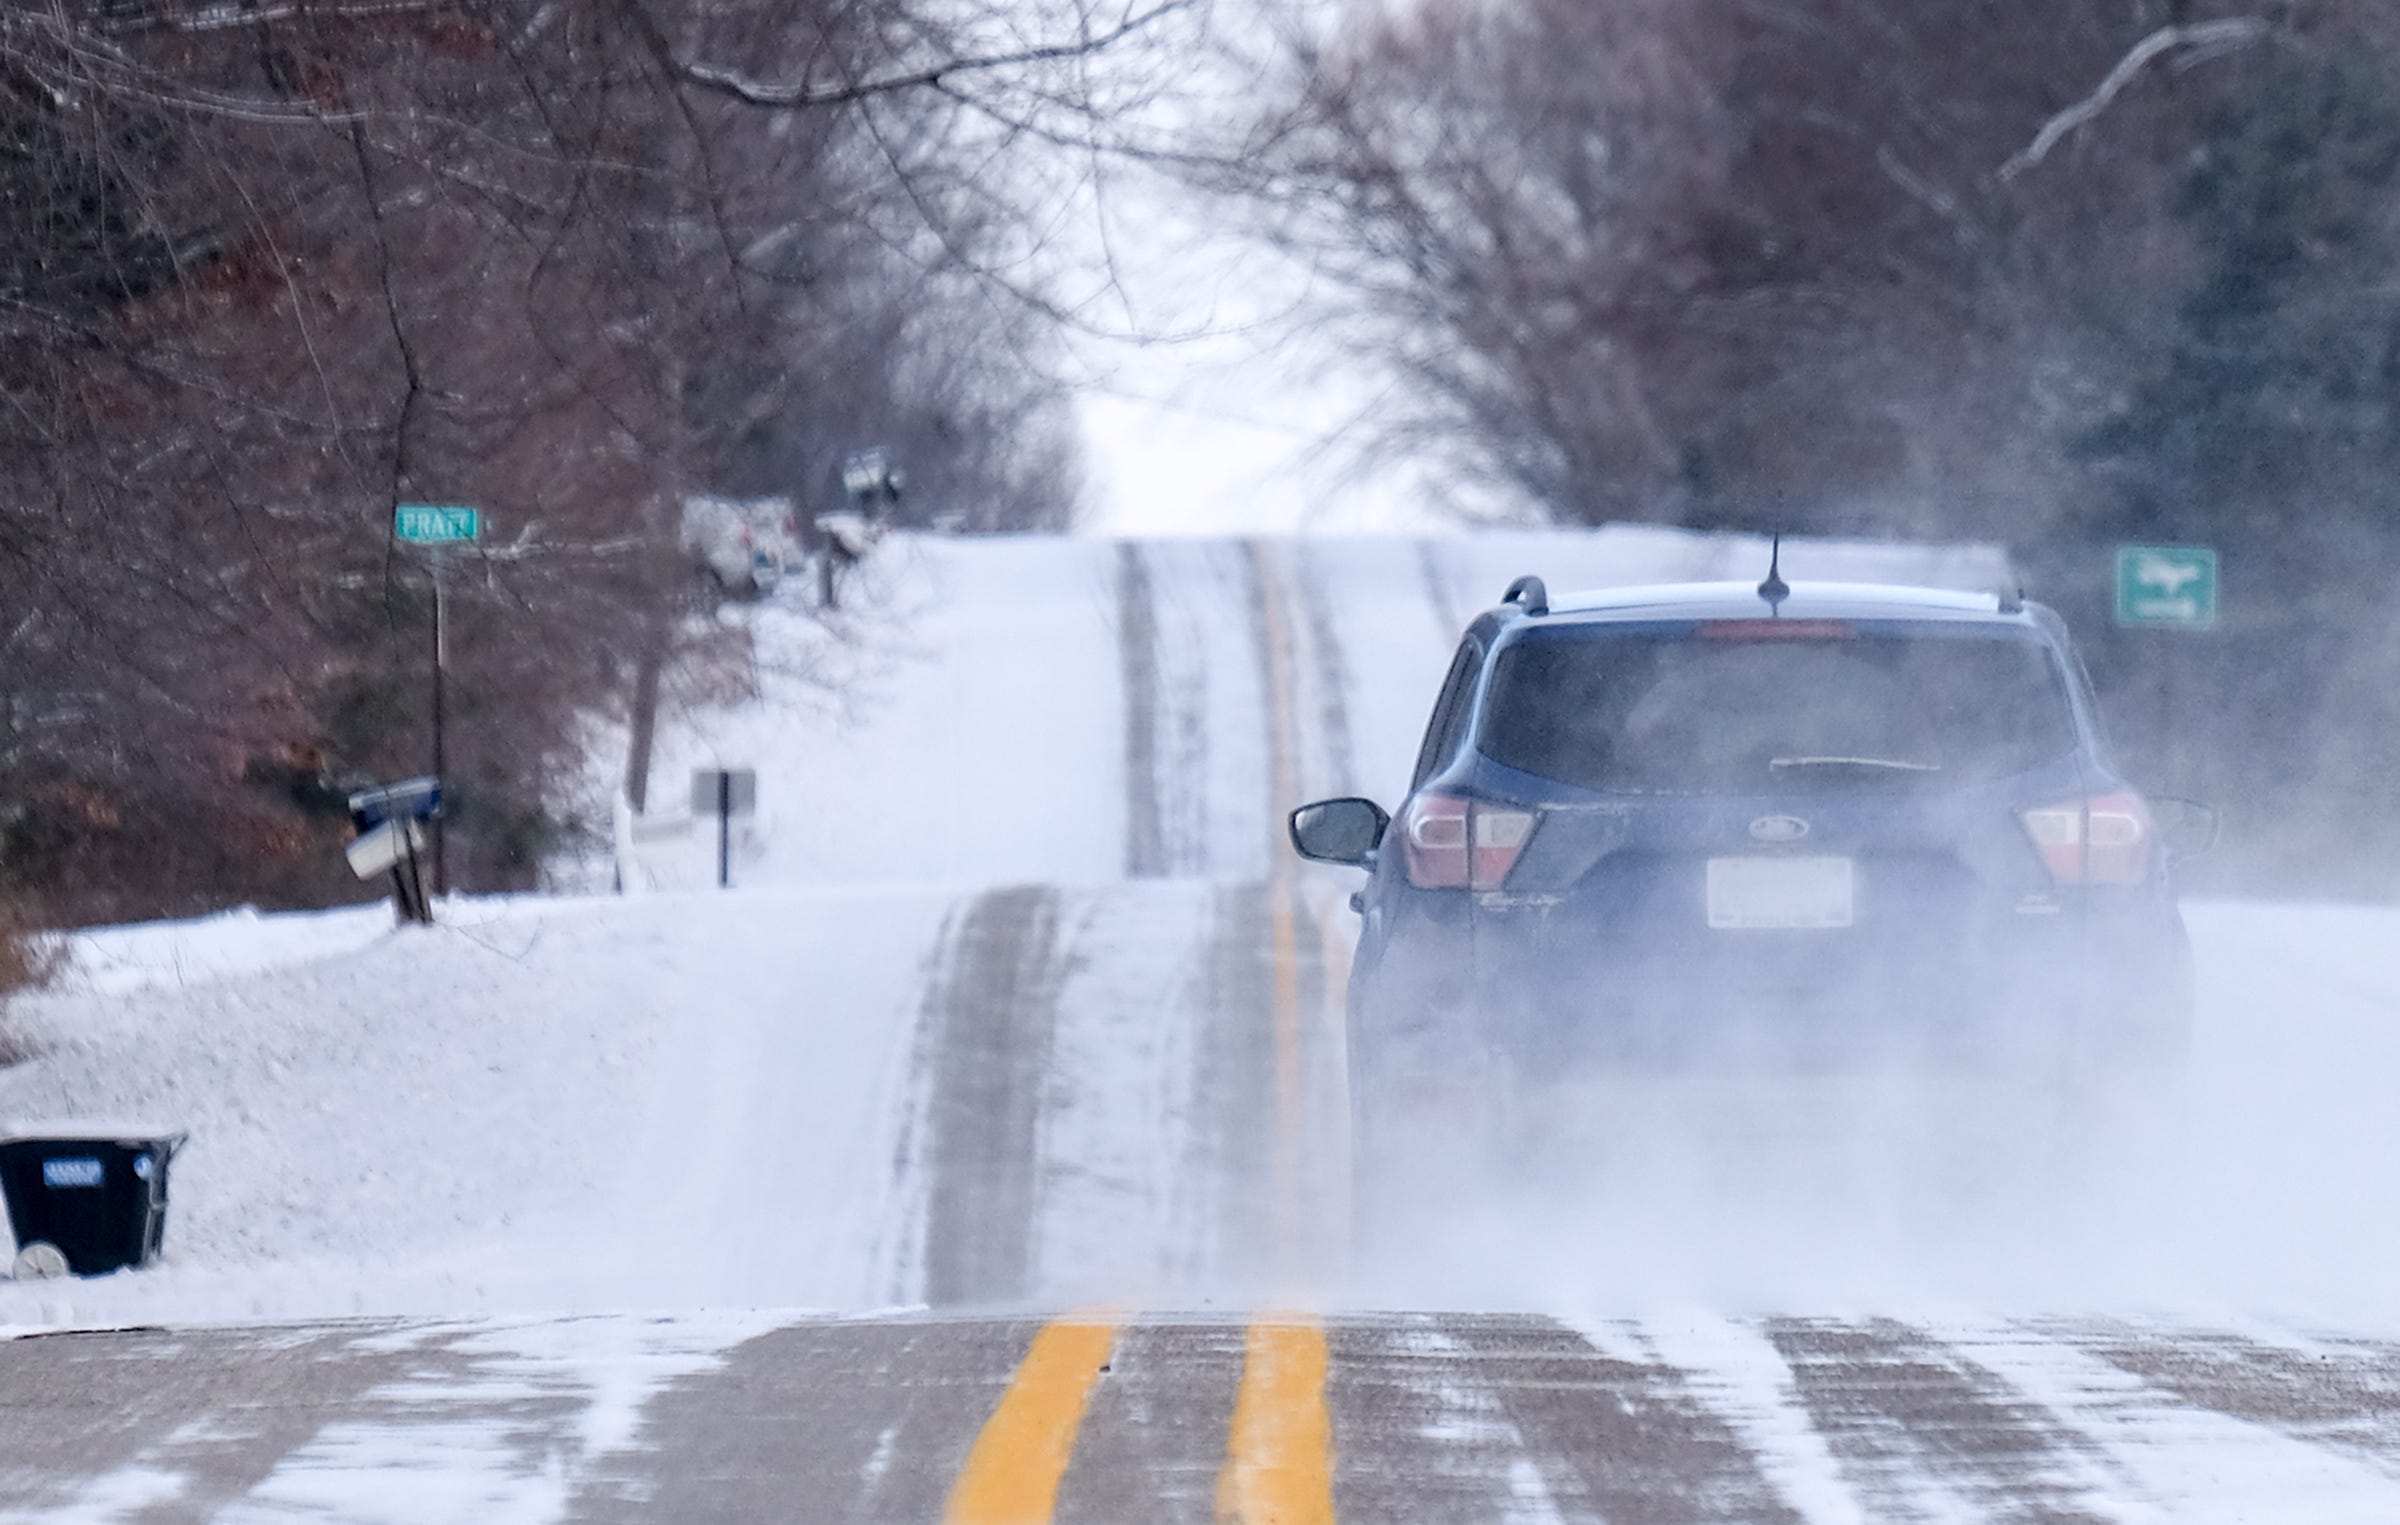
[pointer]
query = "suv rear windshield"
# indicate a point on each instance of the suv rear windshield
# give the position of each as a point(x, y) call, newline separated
point(1738, 707)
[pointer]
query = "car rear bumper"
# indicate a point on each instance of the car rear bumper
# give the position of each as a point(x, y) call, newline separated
point(1548, 989)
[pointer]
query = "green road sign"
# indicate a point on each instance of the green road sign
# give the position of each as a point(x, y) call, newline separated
point(431, 524)
point(2172, 587)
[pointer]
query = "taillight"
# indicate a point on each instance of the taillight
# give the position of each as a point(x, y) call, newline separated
point(2101, 840)
point(1447, 843)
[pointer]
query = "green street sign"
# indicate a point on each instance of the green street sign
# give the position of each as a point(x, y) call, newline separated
point(2168, 587)
point(432, 524)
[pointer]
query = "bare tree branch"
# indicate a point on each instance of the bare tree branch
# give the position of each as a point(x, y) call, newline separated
point(2216, 36)
point(803, 93)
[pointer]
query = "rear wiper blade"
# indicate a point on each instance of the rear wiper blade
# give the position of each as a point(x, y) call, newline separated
point(1893, 764)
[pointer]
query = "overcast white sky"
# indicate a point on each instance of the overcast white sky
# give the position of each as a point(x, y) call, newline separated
point(1253, 427)
point(1206, 435)
point(1222, 434)
point(1227, 436)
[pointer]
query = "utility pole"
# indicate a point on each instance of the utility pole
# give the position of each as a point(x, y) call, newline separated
point(441, 660)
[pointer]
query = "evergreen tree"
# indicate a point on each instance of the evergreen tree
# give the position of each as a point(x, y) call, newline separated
point(2282, 375)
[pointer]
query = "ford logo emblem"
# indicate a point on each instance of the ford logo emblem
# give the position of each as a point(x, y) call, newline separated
point(1778, 828)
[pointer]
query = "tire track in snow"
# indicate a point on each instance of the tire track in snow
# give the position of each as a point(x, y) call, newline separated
point(1328, 671)
point(1137, 662)
point(986, 1027)
point(1186, 608)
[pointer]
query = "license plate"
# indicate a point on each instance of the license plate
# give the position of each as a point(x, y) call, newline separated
point(1779, 894)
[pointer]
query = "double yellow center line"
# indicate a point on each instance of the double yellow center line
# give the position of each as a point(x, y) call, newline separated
point(1279, 1463)
point(1279, 1460)
point(1279, 1468)
point(1012, 1475)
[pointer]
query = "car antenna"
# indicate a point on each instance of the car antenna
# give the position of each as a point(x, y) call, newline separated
point(1775, 590)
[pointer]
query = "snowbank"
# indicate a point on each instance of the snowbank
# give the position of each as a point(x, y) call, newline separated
point(119, 959)
point(535, 1105)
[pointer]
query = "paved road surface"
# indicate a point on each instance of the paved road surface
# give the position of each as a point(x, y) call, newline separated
point(1130, 1418)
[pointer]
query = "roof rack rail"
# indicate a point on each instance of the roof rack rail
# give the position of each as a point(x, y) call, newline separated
point(2012, 599)
point(1529, 593)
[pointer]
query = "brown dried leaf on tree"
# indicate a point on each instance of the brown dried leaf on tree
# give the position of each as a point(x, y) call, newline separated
point(267, 273)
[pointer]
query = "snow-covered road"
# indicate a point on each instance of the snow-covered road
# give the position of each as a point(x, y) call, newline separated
point(1019, 1007)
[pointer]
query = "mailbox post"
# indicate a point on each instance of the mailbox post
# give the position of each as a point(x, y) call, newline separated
point(870, 484)
point(391, 829)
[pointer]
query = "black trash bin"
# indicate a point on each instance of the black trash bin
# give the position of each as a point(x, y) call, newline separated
point(95, 1196)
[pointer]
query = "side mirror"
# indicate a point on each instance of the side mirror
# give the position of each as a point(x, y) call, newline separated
point(1345, 831)
point(2186, 828)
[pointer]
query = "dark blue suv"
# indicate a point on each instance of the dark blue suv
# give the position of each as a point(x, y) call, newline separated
point(1717, 825)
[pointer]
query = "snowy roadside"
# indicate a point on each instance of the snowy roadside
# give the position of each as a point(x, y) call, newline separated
point(495, 1114)
point(341, 1107)
point(118, 960)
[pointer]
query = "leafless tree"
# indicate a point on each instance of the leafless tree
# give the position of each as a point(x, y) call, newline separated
point(1850, 260)
point(269, 270)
